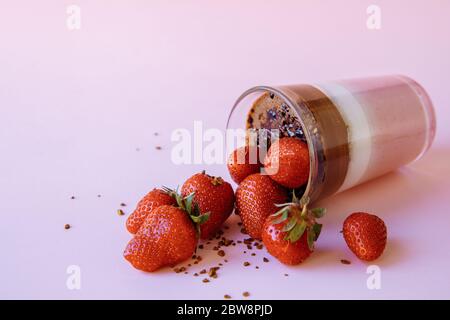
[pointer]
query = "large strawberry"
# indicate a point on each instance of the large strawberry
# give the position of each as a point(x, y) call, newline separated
point(146, 205)
point(168, 236)
point(256, 199)
point(243, 162)
point(289, 234)
point(365, 235)
point(287, 162)
point(212, 195)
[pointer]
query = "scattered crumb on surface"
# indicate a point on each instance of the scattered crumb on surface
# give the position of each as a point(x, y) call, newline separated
point(227, 296)
point(205, 280)
point(67, 226)
point(345, 261)
point(265, 259)
point(158, 148)
point(246, 294)
point(120, 212)
point(246, 264)
point(72, 197)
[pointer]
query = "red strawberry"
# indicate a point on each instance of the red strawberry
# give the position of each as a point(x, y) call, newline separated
point(287, 162)
point(243, 162)
point(256, 198)
point(289, 234)
point(212, 195)
point(365, 235)
point(151, 201)
point(168, 236)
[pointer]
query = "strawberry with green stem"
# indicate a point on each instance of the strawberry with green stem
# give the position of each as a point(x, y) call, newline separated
point(289, 234)
point(168, 236)
point(210, 194)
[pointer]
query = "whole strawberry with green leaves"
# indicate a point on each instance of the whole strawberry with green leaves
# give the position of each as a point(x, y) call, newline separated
point(168, 235)
point(211, 195)
point(289, 234)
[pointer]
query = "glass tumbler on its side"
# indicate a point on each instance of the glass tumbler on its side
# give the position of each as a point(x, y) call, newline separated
point(356, 129)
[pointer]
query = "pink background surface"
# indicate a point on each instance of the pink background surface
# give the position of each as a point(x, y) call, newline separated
point(75, 105)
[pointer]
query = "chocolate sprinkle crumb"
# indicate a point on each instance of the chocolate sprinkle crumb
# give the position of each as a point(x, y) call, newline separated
point(246, 264)
point(345, 261)
point(227, 296)
point(265, 259)
point(205, 280)
point(221, 253)
point(246, 294)
point(67, 226)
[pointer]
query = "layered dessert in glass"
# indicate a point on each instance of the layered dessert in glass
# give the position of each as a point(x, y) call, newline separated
point(356, 129)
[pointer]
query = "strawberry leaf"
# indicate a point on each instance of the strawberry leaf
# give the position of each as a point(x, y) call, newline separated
point(317, 228)
point(318, 212)
point(200, 219)
point(283, 217)
point(282, 205)
point(279, 212)
point(188, 202)
point(291, 224)
point(297, 231)
point(304, 201)
point(311, 236)
point(294, 197)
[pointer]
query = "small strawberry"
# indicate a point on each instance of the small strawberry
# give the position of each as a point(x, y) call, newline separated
point(168, 236)
point(243, 162)
point(287, 162)
point(256, 199)
point(365, 235)
point(212, 195)
point(289, 234)
point(146, 205)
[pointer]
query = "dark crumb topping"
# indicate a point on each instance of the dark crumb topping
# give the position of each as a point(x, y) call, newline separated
point(278, 116)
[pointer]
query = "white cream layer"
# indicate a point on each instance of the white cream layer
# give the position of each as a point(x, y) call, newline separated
point(360, 145)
